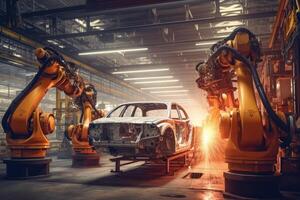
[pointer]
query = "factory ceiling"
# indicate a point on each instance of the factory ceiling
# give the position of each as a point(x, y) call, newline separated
point(153, 45)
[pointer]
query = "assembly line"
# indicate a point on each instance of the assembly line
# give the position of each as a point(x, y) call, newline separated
point(140, 137)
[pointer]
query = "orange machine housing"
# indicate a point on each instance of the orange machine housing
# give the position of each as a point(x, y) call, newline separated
point(26, 125)
point(252, 146)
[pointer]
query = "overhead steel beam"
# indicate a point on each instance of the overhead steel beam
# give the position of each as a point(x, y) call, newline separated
point(170, 47)
point(27, 41)
point(53, 12)
point(83, 10)
point(158, 25)
point(178, 67)
point(158, 64)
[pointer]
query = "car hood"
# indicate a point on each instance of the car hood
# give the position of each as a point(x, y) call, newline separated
point(133, 120)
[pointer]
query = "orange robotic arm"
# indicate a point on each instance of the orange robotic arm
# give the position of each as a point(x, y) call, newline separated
point(252, 146)
point(79, 133)
point(25, 124)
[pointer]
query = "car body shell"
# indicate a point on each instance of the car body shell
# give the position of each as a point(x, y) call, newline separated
point(156, 136)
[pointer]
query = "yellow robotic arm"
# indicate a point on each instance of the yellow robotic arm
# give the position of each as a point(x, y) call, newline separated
point(26, 125)
point(252, 146)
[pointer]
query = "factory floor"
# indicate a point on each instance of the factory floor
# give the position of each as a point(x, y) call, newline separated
point(137, 181)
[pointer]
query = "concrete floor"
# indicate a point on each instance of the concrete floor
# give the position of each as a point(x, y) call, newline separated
point(138, 181)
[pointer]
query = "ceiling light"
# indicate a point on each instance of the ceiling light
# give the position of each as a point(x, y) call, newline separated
point(53, 42)
point(98, 27)
point(229, 23)
point(81, 22)
point(112, 51)
point(13, 62)
point(172, 95)
point(161, 81)
point(30, 74)
point(227, 29)
point(163, 87)
point(17, 55)
point(9, 47)
point(233, 7)
point(96, 22)
point(148, 78)
point(141, 71)
point(205, 43)
point(221, 36)
point(168, 91)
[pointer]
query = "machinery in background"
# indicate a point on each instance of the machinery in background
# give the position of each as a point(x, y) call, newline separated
point(286, 39)
point(252, 135)
point(85, 154)
point(26, 125)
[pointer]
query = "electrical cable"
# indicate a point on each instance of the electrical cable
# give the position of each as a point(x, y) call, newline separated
point(278, 121)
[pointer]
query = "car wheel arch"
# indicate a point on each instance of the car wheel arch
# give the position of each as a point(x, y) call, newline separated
point(168, 129)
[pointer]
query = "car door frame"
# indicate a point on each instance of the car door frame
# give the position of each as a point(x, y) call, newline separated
point(177, 122)
point(186, 121)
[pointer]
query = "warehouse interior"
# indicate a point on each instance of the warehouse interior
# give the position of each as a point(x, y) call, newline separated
point(150, 99)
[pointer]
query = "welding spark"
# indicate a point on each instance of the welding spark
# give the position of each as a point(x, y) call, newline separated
point(211, 144)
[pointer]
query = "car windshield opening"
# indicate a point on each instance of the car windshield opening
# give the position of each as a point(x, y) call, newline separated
point(142, 110)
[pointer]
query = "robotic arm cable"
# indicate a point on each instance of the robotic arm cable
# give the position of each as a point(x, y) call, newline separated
point(221, 47)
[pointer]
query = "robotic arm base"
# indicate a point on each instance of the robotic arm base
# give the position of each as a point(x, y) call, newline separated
point(34, 146)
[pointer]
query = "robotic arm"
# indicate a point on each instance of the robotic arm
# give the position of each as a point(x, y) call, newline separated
point(240, 121)
point(27, 125)
point(252, 145)
point(78, 134)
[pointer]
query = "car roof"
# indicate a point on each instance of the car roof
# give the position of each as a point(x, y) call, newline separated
point(145, 102)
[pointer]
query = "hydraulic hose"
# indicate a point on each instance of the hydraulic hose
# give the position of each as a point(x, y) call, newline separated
point(274, 117)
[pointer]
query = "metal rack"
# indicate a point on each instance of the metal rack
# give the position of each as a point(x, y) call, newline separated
point(167, 161)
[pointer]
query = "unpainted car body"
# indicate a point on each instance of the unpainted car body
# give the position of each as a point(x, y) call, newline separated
point(151, 129)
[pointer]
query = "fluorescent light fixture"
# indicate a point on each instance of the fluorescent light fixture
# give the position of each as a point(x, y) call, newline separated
point(9, 47)
point(163, 87)
point(233, 7)
point(172, 95)
point(15, 63)
point(141, 71)
point(112, 51)
point(148, 78)
point(205, 43)
point(17, 55)
point(229, 23)
point(161, 81)
point(227, 29)
point(98, 28)
point(81, 22)
point(168, 91)
point(96, 22)
point(30, 74)
point(52, 42)
point(221, 36)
